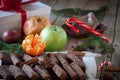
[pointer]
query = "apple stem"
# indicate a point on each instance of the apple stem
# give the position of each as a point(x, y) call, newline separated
point(55, 29)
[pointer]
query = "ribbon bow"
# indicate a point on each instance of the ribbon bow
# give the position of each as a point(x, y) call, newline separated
point(7, 5)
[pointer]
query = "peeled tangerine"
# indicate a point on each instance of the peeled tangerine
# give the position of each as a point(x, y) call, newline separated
point(35, 24)
point(33, 45)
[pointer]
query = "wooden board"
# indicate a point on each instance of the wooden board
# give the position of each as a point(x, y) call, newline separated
point(116, 42)
point(109, 21)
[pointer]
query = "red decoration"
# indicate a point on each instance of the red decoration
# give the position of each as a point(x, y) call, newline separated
point(84, 26)
point(105, 63)
point(7, 5)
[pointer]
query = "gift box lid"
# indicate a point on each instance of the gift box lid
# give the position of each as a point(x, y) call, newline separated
point(36, 8)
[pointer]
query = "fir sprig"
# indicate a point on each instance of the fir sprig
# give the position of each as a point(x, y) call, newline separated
point(69, 12)
point(95, 43)
point(14, 47)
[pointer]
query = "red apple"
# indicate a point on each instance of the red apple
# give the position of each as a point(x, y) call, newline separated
point(55, 37)
point(11, 36)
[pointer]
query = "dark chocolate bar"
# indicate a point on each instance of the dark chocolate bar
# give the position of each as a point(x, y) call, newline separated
point(5, 73)
point(6, 60)
point(61, 58)
point(67, 67)
point(27, 57)
point(78, 70)
point(52, 59)
point(70, 71)
point(43, 61)
point(16, 59)
point(30, 72)
point(17, 73)
point(43, 72)
point(48, 60)
point(76, 59)
point(60, 72)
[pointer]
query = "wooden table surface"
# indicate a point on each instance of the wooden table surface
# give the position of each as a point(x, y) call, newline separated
point(111, 20)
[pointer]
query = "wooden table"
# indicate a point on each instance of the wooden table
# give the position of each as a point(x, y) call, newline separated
point(111, 19)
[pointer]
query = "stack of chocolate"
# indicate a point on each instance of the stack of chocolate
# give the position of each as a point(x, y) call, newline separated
point(46, 67)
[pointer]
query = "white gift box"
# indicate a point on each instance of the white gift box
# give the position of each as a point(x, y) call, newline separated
point(12, 19)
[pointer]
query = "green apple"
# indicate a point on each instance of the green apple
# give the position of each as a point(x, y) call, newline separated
point(55, 37)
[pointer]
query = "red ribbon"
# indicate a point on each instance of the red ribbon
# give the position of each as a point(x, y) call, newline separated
point(7, 5)
point(84, 26)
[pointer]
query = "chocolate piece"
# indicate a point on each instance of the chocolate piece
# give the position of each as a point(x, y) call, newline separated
point(5, 73)
point(43, 72)
point(52, 59)
point(60, 72)
point(61, 58)
point(27, 57)
point(67, 67)
point(53, 75)
point(17, 73)
point(101, 28)
point(43, 61)
point(6, 60)
point(48, 60)
point(78, 70)
point(30, 72)
point(16, 59)
point(70, 71)
point(75, 59)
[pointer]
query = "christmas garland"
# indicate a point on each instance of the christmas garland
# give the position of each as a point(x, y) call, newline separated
point(69, 12)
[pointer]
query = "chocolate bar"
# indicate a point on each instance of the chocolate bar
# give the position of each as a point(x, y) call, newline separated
point(70, 71)
point(30, 72)
point(16, 59)
point(43, 61)
point(51, 59)
point(60, 72)
point(5, 73)
point(67, 67)
point(27, 57)
point(61, 58)
point(43, 72)
point(6, 60)
point(78, 70)
point(75, 59)
point(48, 60)
point(17, 73)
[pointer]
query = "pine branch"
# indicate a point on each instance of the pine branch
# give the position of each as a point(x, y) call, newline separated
point(69, 12)
point(95, 43)
point(14, 47)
